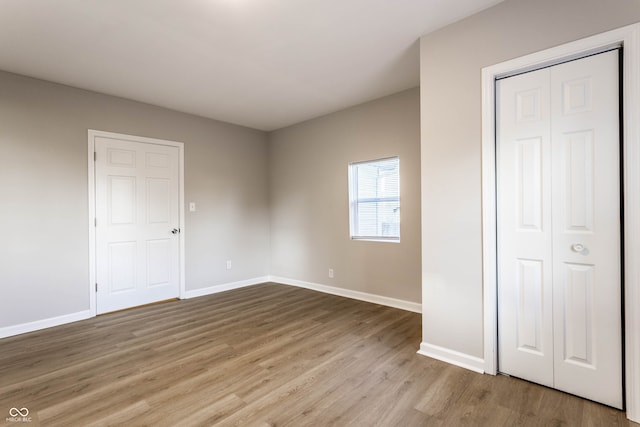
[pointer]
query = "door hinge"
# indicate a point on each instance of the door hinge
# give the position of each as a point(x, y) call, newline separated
point(95, 156)
point(96, 287)
point(95, 222)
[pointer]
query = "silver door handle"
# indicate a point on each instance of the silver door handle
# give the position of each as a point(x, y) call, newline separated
point(175, 231)
point(577, 247)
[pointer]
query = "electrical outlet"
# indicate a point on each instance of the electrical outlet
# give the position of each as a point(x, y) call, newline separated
point(331, 273)
point(229, 265)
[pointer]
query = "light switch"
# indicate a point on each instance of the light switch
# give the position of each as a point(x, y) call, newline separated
point(192, 207)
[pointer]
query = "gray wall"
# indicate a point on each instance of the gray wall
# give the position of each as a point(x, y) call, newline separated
point(44, 264)
point(450, 80)
point(309, 198)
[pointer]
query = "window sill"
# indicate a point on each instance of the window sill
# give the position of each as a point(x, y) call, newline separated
point(376, 239)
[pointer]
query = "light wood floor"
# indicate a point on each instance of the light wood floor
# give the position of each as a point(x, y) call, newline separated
point(267, 355)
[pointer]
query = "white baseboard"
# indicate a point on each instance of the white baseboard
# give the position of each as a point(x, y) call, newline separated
point(224, 287)
point(23, 328)
point(348, 293)
point(453, 357)
point(9, 331)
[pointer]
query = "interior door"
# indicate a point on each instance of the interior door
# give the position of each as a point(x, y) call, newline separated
point(137, 223)
point(559, 248)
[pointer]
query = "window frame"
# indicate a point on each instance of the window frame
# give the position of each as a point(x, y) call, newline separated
point(354, 202)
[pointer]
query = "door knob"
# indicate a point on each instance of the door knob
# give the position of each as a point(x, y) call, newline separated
point(175, 231)
point(577, 247)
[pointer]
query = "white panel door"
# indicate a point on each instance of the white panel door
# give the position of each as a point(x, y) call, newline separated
point(137, 223)
point(559, 231)
point(525, 323)
point(586, 220)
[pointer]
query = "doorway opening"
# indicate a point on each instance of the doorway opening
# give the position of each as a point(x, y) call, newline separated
point(627, 38)
point(136, 220)
point(558, 227)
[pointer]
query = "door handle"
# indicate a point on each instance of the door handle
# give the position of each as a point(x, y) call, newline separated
point(175, 231)
point(577, 247)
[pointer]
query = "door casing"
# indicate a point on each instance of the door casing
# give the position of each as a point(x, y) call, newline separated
point(92, 134)
point(628, 38)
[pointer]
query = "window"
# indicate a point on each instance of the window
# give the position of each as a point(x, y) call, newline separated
point(374, 199)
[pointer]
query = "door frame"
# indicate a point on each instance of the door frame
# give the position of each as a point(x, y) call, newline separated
point(629, 39)
point(92, 134)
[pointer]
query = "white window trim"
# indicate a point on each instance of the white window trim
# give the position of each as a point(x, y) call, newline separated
point(353, 211)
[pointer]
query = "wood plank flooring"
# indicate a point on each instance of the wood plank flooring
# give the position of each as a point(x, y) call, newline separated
point(266, 355)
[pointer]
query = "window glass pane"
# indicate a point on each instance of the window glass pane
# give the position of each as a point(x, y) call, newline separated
point(375, 199)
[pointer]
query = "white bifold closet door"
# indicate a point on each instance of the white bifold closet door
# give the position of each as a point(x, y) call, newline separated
point(559, 244)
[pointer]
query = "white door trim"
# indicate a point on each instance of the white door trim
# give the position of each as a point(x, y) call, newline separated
point(92, 134)
point(629, 38)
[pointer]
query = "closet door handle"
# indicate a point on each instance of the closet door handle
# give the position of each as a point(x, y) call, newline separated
point(577, 247)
